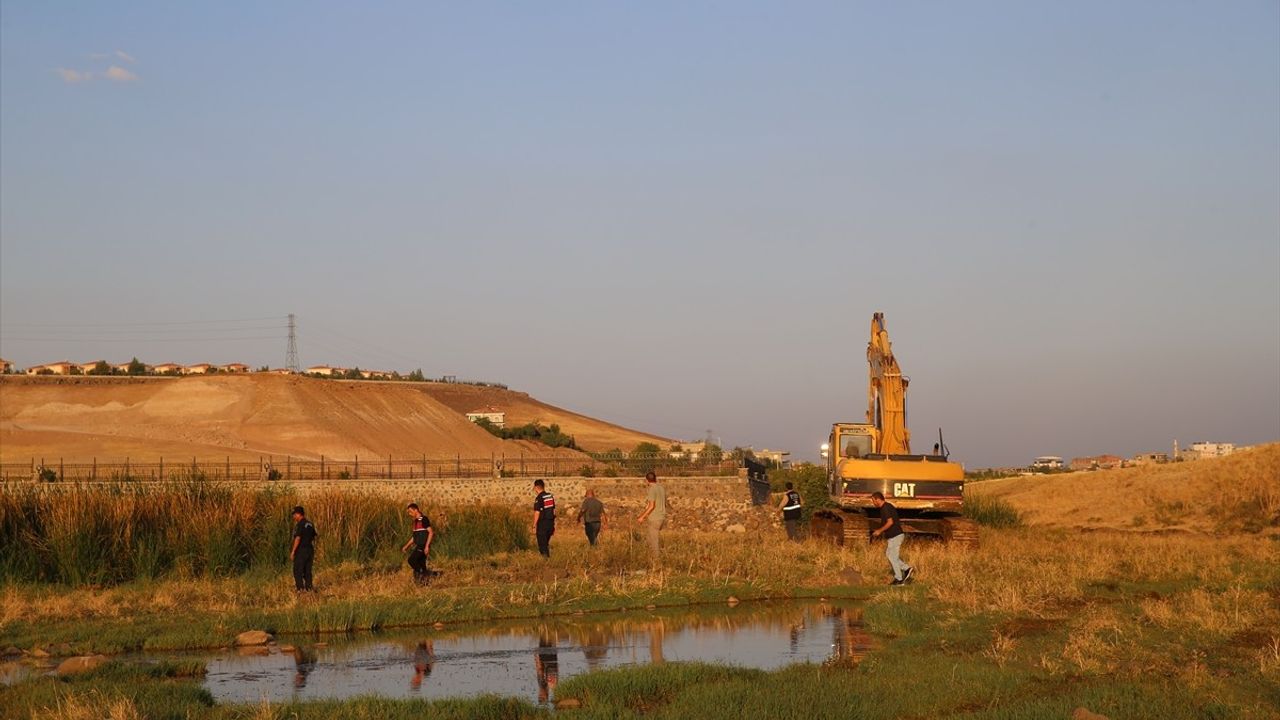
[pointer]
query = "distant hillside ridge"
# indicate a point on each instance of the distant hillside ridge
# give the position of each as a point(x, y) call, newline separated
point(247, 415)
point(1236, 493)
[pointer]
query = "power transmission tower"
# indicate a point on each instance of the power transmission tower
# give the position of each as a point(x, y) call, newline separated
point(291, 355)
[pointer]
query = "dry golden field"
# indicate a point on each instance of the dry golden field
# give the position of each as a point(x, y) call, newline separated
point(1229, 494)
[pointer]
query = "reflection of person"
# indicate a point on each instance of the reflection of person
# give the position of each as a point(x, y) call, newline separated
point(655, 511)
point(790, 505)
point(546, 663)
point(424, 659)
point(592, 515)
point(420, 541)
point(303, 550)
point(303, 663)
point(544, 517)
point(596, 649)
point(892, 531)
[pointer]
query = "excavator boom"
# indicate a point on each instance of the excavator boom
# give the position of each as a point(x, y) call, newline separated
point(886, 393)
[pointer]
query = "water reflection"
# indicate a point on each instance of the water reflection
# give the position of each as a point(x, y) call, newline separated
point(424, 659)
point(304, 661)
point(546, 665)
point(527, 659)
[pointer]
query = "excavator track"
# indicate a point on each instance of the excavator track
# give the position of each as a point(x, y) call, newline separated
point(841, 528)
point(960, 531)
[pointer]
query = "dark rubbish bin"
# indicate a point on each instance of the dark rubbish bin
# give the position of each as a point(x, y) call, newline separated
point(757, 481)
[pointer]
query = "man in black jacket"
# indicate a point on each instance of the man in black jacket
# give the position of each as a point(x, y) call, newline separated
point(892, 531)
point(303, 551)
point(420, 541)
point(544, 517)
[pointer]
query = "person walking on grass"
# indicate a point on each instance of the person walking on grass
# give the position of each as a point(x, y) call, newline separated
point(420, 542)
point(544, 517)
point(892, 532)
point(655, 512)
point(303, 550)
point(591, 514)
point(790, 505)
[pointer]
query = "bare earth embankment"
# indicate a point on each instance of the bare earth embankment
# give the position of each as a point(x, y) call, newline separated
point(246, 416)
point(1240, 492)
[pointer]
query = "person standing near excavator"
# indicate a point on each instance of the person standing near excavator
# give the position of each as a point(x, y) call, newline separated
point(892, 531)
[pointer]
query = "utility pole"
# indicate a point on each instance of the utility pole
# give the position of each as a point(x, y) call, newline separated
point(291, 355)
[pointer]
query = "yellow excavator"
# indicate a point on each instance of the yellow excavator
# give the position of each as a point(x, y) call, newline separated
point(862, 458)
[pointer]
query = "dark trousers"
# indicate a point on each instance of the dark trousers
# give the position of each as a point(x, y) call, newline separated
point(544, 532)
point(302, 561)
point(793, 529)
point(418, 561)
point(593, 531)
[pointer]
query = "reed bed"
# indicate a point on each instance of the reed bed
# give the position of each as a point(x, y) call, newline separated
point(109, 534)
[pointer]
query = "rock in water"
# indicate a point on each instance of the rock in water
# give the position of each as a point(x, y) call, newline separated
point(253, 637)
point(80, 664)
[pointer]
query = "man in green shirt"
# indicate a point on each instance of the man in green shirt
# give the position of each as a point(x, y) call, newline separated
point(655, 511)
point(592, 515)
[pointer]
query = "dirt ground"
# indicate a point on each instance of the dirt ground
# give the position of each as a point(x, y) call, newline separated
point(245, 416)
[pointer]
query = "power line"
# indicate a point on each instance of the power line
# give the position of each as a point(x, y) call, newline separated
point(143, 324)
point(8, 338)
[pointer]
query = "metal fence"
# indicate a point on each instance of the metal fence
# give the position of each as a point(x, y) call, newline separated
point(285, 467)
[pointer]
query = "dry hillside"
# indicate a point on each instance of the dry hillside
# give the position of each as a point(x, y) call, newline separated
point(590, 434)
point(246, 416)
point(1240, 492)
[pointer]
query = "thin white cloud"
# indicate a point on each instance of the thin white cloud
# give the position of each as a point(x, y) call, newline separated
point(125, 56)
point(73, 76)
point(116, 73)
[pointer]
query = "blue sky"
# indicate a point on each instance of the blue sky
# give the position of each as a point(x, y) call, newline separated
point(678, 216)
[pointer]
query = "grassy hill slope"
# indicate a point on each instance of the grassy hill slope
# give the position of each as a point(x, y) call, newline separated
point(1240, 492)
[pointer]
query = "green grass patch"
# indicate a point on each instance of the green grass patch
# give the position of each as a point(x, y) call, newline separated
point(991, 511)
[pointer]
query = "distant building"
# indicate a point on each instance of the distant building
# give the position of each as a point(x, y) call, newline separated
point(326, 371)
point(197, 369)
point(1211, 449)
point(6, 367)
point(62, 367)
point(495, 416)
point(1155, 458)
point(375, 374)
point(1048, 462)
point(690, 450)
point(233, 368)
point(93, 364)
point(167, 369)
point(1097, 462)
point(123, 368)
point(781, 457)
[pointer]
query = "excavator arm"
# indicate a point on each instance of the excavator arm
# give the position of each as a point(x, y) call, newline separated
point(887, 393)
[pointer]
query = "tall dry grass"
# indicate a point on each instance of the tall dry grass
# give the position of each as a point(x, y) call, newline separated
point(106, 534)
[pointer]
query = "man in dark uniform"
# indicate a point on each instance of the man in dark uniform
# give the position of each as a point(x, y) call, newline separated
point(892, 531)
point(544, 517)
point(420, 542)
point(303, 552)
point(790, 505)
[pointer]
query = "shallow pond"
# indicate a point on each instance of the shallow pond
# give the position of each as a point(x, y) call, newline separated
point(528, 658)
